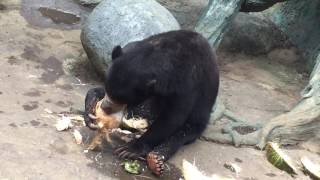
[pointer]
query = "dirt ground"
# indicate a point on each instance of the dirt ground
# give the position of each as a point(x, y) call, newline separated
point(43, 67)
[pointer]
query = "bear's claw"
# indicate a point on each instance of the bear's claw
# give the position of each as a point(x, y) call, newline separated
point(125, 152)
point(155, 162)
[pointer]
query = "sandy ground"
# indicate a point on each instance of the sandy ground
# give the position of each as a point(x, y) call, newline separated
point(44, 67)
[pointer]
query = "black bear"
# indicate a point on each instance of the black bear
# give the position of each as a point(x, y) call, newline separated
point(177, 71)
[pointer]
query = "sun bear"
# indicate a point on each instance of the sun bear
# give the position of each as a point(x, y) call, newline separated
point(177, 71)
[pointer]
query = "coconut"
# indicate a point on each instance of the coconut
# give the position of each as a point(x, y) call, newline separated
point(279, 159)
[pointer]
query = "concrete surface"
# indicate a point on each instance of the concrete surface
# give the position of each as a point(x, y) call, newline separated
point(46, 68)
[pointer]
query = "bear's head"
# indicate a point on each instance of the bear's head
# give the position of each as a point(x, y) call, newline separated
point(128, 80)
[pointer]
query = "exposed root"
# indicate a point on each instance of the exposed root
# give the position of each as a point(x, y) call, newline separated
point(236, 133)
point(291, 128)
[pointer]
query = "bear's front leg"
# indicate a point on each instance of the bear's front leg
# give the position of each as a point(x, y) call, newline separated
point(169, 121)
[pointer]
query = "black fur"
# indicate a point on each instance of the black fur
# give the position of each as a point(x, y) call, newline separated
point(178, 71)
point(93, 96)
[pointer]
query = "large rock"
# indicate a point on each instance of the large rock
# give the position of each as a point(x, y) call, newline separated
point(118, 22)
point(187, 12)
point(253, 34)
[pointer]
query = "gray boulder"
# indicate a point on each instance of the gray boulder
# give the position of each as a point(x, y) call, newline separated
point(253, 34)
point(115, 22)
point(187, 12)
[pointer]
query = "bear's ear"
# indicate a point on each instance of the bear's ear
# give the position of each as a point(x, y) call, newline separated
point(116, 52)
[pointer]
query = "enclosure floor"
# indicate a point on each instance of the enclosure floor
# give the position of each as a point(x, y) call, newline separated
point(33, 78)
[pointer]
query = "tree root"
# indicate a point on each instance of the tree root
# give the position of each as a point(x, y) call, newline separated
point(237, 132)
point(291, 128)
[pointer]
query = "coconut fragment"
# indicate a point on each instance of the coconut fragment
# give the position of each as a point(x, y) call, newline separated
point(77, 118)
point(63, 123)
point(77, 136)
point(121, 131)
point(311, 168)
point(190, 172)
point(279, 159)
point(135, 123)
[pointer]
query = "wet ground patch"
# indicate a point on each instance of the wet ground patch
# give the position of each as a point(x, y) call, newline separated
point(53, 70)
point(13, 125)
point(12, 60)
point(2, 7)
point(31, 53)
point(60, 14)
point(30, 106)
point(64, 104)
point(33, 93)
point(34, 123)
